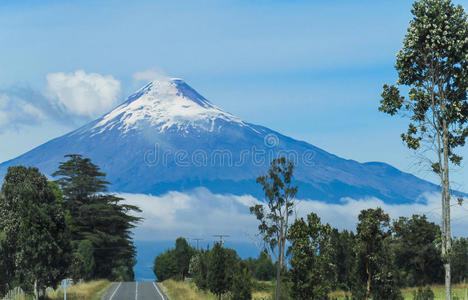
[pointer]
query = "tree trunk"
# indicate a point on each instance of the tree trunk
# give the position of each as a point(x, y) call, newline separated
point(278, 271)
point(368, 286)
point(36, 292)
point(446, 207)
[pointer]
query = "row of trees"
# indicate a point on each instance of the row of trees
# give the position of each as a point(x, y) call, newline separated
point(373, 263)
point(67, 228)
point(218, 270)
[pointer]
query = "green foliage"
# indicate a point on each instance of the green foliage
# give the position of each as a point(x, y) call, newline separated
point(374, 274)
point(218, 277)
point(416, 255)
point(85, 254)
point(165, 266)
point(459, 260)
point(433, 63)
point(423, 294)
point(175, 263)
point(262, 268)
point(33, 231)
point(183, 252)
point(343, 243)
point(199, 268)
point(242, 282)
point(99, 218)
point(312, 258)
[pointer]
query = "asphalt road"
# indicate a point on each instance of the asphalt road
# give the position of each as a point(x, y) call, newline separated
point(134, 291)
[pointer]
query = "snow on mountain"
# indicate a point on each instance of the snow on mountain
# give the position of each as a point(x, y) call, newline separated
point(167, 137)
point(165, 105)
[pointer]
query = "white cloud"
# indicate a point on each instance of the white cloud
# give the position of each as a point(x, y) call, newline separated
point(82, 94)
point(203, 214)
point(151, 75)
point(16, 111)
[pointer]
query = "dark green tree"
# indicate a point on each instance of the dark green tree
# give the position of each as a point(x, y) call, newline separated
point(183, 252)
point(200, 269)
point(219, 281)
point(280, 191)
point(165, 266)
point(416, 255)
point(263, 267)
point(423, 294)
point(460, 260)
point(242, 282)
point(6, 274)
point(98, 217)
point(433, 64)
point(343, 243)
point(313, 267)
point(374, 274)
point(34, 230)
point(85, 254)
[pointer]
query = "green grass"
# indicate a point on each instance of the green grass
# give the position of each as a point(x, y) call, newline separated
point(184, 290)
point(263, 290)
point(92, 290)
point(458, 290)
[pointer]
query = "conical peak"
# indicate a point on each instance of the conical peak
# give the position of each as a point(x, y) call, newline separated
point(165, 104)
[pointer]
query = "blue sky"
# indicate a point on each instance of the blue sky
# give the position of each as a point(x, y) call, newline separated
point(312, 70)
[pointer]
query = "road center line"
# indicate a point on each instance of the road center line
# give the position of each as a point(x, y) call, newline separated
point(115, 291)
point(159, 292)
point(136, 291)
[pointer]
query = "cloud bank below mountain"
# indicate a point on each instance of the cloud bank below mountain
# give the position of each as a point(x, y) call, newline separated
point(200, 213)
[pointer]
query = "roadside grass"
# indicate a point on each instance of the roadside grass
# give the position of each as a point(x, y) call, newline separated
point(92, 290)
point(460, 291)
point(184, 290)
point(263, 290)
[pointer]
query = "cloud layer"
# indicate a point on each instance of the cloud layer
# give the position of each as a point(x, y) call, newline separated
point(70, 98)
point(17, 111)
point(84, 94)
point(201, 213)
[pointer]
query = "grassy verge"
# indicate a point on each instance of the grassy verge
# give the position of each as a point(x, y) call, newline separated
point(183, 290)
point(458, 290)
point(263, 290)
point(178, 290)
point(93, 290)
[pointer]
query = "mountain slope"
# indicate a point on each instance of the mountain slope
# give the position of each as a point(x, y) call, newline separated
point(166, 137)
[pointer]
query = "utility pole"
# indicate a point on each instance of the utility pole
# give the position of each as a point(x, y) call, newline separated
point(221, 237)
point(197, 239)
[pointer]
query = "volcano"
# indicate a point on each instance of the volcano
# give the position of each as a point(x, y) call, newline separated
point(167, 137)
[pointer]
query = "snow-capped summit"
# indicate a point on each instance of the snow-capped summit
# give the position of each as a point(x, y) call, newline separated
point(166, 105)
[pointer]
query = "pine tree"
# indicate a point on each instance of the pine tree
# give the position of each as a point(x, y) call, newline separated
point(98, 217)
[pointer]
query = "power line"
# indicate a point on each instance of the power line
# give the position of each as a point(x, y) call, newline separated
point(221, 236)
point(198, 240)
